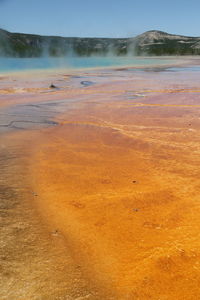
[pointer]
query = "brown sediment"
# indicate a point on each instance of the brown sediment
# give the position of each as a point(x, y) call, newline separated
point(34, 260)
point(117, 179)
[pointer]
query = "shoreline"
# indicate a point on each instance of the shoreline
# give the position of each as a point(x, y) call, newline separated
point(184, 60)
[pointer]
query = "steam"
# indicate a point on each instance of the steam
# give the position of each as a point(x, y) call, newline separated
point(25, 45)
point(44, 52)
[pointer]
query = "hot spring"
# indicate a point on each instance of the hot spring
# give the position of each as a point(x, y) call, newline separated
point(21, 64)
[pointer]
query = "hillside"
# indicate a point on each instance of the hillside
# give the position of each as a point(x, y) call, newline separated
point(161, 43)
point(149, 43)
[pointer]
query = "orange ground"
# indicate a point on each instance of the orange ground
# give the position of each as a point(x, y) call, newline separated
point(120, 180)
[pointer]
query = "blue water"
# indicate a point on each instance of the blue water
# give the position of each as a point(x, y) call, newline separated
point(188, 69)
point(21, 64)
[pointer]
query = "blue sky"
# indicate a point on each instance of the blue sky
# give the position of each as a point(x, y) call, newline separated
point(100, 18)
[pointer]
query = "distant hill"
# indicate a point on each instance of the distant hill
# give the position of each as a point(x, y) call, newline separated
point(161, 43)
point(149, 43)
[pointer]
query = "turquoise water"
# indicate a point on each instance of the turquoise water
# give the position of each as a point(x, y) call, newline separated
point(21, 64)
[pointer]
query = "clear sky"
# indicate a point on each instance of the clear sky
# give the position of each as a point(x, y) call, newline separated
point(100, 18)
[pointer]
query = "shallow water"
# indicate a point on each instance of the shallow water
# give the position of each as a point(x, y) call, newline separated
point(20, 64)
